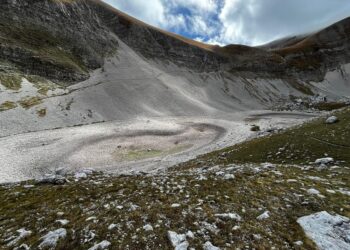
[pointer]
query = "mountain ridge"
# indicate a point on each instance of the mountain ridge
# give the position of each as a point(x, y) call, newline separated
point(81, 62)
point(86, 49)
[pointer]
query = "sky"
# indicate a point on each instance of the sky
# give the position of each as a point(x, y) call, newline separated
point(249, 22)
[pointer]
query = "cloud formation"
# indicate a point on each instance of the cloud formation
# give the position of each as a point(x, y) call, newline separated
point(250, 22)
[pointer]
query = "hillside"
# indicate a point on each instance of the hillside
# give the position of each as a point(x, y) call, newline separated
point(88, 40)
point(119, 135)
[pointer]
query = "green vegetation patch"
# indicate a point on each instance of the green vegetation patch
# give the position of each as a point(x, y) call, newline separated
point(42, 44)
point(135, 155)
point(41, 112)
point(11, 81)
point(300, 145)
point(329, 106)
point(29, 102)
point(43, 85)
point(7, 106)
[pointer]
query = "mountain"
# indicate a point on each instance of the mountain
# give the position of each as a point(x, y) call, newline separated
point(74, 62)
point(118, 135)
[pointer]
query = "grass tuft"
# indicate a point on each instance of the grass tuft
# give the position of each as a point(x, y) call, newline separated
point(7, 106)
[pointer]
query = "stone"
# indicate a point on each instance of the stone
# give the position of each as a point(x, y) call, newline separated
point(53, 179)
point(176, 239)
point(209, 246)
point(264, 216)
point(51, 239)
point(101, 246)
point(332, 120)
point(329, 232)
point(324, 161)
point(229, 216)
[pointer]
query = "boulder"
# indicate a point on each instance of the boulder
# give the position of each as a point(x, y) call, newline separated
point(53, 180)
point(326, 230)
point(51, 239)
point(178, 241)
point(332, 120)
point(324, 161)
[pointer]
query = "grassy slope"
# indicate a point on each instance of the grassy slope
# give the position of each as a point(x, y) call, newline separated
point(299, 145)
point(282, 190)
point(40, 44)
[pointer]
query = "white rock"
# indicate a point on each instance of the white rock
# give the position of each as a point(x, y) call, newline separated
point(63, 222)
point(313, 191)
point(324, 161)
point(175, 205)
point(190, 234)
point(264, 216)
point(80, 175)
point(329, 232)
point(210, 227)
point(176, 239)
point(220, 173)
point(298, 243)
point(230, 216)
point(202, 178)
point(22, 247)
point(91, 218)
point(209, 246)
point(229, 177)
point(343, 191)
point(257, 236)
point(112, 226)
point(134, 207)
point(22, 233)
point(316, 178)
point(267, 165)
point(235, 228)
point(332, 119)
point(147, 228)
point(182, 246)
point(101, 246)
point(51, 238)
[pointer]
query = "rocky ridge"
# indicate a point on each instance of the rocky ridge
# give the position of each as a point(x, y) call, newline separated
point(66, 39)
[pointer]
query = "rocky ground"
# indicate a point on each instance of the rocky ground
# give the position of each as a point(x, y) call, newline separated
point(219, 200)
point(137, 145)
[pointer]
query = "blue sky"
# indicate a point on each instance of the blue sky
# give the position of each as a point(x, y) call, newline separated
point(250, 22)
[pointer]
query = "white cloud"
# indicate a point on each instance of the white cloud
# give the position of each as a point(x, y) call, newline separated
point(150, 11)
point(202, 6)
point(248, 22)
point(256, 21)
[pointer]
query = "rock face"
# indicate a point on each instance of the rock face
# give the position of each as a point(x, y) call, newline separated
point(63, 40)
point(329, 232)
